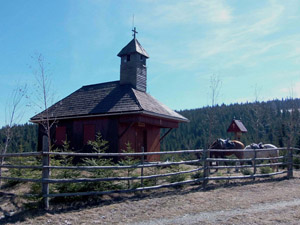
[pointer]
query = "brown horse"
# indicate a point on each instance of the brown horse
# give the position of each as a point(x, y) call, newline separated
point(228, 146)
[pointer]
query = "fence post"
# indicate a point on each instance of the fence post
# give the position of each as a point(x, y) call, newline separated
point(45, 173)
point(205, 168)
point(290, 163)
point(254, 164)
point(142, 169)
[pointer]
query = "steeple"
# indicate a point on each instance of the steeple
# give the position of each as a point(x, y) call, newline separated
point(133, 68)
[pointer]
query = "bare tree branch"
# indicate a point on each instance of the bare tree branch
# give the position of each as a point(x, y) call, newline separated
point(215, 87)
point(13, 115)
point(44, 95)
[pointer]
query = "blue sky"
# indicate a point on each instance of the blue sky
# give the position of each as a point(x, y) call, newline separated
point(250, 45)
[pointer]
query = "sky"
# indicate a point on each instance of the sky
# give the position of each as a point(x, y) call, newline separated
point(252, 47)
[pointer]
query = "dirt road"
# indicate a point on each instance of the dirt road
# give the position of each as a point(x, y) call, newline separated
point(285, 212)
point(270, 202)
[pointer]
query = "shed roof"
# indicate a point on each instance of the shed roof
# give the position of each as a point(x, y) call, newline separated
point(237, 126)
point(108, 99)
point(132, 47)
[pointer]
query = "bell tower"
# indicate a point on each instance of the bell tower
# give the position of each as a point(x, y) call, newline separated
point(133, 70)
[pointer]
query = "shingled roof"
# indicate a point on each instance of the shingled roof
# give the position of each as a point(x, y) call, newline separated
point(108, 99)
point(132, 47)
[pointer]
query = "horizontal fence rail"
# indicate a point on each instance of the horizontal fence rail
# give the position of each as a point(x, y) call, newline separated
point(118, 178)
point(122, 154)
point(246, 176)
point(247, 166)
point(244, 160)
point(161, 164)
point(125, 191)
point(20, 167)
point(22, 154)
point(202, 164)
point(247, 150)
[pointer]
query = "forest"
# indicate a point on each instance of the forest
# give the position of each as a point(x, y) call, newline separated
point(24, 138)
point(276, 122)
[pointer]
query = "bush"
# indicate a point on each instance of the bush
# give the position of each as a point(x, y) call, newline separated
point(99, 146)
point(65, 173)
point(265, 170)
point(129, 161)
point(246, 172)
point(296, 162)
point(154, 171)
point(149, 182)
point(197, 175)
point(23, 173)
point(177, 177)
point(146, 183)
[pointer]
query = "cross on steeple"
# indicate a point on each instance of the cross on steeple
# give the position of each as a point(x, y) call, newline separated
point(134, 32)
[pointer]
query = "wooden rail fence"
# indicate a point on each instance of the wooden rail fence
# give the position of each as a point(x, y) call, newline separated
point(201, 163)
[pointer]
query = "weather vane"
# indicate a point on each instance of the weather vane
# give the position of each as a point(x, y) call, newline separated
point(133, 27)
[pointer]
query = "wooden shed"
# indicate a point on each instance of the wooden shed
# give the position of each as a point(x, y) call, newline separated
point(237, 127)
point(122, 111)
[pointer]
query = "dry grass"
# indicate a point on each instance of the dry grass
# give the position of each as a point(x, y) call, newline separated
point(268, 202)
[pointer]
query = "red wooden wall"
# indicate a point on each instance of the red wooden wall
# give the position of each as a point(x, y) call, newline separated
point(140, 131)
point(138, 137)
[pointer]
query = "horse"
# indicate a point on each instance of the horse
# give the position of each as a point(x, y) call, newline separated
point(227, 146)
point(262, 154)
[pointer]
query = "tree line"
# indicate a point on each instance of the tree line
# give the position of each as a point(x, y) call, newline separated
point(276, 122)
point(23, 139)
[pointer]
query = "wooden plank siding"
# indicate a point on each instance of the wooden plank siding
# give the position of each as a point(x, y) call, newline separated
point(139, 130)
point(141, 135)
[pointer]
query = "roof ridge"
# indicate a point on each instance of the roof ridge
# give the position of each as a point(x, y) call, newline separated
point(155, 106)
point(136, 99)
point(90, 85)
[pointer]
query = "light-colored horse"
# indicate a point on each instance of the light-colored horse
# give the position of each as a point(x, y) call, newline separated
point(262, 154)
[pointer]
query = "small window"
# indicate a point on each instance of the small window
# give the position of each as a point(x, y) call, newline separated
point(128, 58)
point(60, 135)
point(141, 57)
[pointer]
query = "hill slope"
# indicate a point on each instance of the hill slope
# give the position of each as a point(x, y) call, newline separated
point(276, 122)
